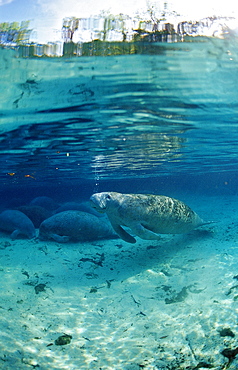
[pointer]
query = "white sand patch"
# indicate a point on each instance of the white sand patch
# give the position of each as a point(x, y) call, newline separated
point(152, 305)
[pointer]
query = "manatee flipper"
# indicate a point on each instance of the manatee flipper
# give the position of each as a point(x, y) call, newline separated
point(123, 234)
point(144, 233)
point(60, 238)
point(15, 234)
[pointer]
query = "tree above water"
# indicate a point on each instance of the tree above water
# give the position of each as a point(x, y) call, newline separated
point(14, 33)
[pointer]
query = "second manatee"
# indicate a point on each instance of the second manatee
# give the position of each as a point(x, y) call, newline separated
point(75, 226)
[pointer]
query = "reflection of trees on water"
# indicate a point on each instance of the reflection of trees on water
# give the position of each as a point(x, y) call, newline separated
point(110, 34)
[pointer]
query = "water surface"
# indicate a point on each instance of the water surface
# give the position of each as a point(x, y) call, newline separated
point(172, 112)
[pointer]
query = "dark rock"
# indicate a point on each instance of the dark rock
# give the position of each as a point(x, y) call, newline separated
point(63, 340)
point(226, 332)
point(230, 353)
point(40, 288)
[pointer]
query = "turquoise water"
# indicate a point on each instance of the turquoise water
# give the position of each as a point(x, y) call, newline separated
point(162, 122)
point(93, 119)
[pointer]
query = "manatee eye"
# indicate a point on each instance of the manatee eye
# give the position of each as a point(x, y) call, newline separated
point(108, 197)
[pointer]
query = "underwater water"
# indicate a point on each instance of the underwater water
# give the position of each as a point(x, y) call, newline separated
point(89, 119)
point(161, 122)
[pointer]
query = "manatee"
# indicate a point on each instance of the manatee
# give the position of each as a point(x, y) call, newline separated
point(36, 214)
point(45, 202)
point(17, 223)
point(145, 214)
point(74, 206)
point(75, 226)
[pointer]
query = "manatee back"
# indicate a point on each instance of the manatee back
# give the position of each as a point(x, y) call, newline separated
point(74, 206)
point(158, 213)
point(77, 225)
point(171, 216)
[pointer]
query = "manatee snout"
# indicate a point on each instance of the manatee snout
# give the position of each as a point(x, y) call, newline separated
point(98, 201)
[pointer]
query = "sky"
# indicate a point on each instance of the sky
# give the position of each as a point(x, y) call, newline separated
point(46, 15)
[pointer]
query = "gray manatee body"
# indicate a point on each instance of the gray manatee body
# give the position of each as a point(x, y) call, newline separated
point(75, 226)
point(74, 206)
point(45, 202)
point(36, 214)
point(146, 215)
point(17, 223)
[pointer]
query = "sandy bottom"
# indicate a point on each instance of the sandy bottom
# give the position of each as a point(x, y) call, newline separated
point(169, 304)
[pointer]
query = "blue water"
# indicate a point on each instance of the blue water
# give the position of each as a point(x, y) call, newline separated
point(129, 122)
point(164, 123)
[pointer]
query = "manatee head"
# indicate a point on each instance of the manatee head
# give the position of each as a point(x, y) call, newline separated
point(102, 201)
